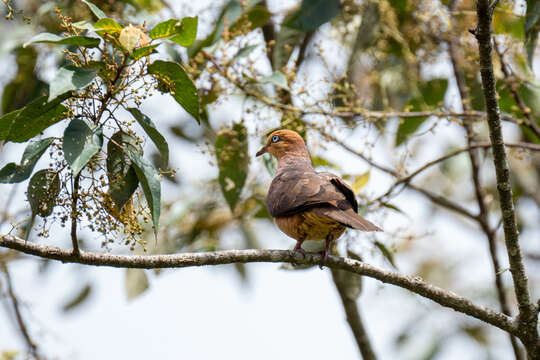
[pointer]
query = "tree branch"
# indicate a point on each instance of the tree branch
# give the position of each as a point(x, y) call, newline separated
point(74, 199)
point(527, 310)
point(483, 213)
point(414, 284)
point(352, 311)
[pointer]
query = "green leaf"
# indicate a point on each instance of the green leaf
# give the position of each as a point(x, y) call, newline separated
point(387, 253)
point(174, 80)
point(182, 33)
point(164, 29)
point(97, 11)
point(81, 142)
point(144, 51)
point(25, 86)
point(78, 299)
point(22, 125)
point(233, 161)
point(70, 78)
point(14, 173)
point(314, 13)
point(531, 27)
point(123, 180)
point(149, 179)
point(187, 32)
point(245, 51)
point(136, 283)
point(277, 78)
point(286, 41)
point(77, 40)
point(154, 134)
point(254, 18)
point(431, 95)
point(108, 25)
point(230, 13)
point(43, 189)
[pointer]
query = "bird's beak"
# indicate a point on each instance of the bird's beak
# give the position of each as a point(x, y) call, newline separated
point(262, 151)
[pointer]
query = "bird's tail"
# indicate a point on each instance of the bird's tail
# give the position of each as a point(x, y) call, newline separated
point(348, 218)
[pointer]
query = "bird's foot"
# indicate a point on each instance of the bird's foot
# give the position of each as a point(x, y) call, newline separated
point(324, 254)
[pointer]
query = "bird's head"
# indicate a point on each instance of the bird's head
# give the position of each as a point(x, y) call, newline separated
point(284, 142)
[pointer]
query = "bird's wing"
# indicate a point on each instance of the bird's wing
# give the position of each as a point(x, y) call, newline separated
point(325, 194)
point(296, 190)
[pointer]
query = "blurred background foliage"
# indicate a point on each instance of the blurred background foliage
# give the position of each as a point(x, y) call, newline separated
point(387, 74)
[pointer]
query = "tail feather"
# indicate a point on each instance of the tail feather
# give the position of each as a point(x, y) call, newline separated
point(348, 218)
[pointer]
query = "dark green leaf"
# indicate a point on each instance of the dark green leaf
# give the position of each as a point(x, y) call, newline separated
point(314, 13)
point(22, 125)
point(286, 40)
point(149, 179)
point(123, 180)
point(393, 207)
point(25, 86)
point(79, 298)
point(14, 173)
point(43, 189)
point(81, 142)
point(532, 26)
point(144, 51)
point(70, 78)
point(108, 25)
point(97, 11)
point(387, 253)
point(252, 19)
point(154, 134)
point(233, 161)
point(136, 283)
point(430, 97)
point(77, 40)
point(230, 13)
point(174, 80)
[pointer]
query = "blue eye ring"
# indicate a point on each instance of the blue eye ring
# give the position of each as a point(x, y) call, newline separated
point(275, 138)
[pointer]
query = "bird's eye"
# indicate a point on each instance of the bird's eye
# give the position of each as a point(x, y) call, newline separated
point(275, 138)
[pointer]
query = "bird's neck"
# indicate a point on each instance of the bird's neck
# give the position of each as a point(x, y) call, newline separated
point(294, 160)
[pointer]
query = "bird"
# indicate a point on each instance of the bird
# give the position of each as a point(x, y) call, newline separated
point(307, 205)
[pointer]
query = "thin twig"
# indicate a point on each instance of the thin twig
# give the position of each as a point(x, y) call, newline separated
point(414, 284)
point(437, 199)
point(525, 110)
point(32, 347)
point(528, 315)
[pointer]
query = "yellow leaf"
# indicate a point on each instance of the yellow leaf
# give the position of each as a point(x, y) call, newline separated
point(360, 181)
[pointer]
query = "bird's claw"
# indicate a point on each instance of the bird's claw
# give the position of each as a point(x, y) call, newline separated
point(324, 254)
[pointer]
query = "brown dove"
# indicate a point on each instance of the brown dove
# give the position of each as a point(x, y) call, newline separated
point(305, 204)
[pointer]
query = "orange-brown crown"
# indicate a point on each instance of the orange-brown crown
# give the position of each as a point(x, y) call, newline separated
point(284, 142)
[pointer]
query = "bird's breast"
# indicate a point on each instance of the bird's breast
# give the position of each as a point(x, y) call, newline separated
point(307, 225)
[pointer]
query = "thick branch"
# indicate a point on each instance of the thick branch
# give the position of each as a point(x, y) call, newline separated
point(527, 310)
point(414, 284)
point(483, 213)
point(352, 312)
